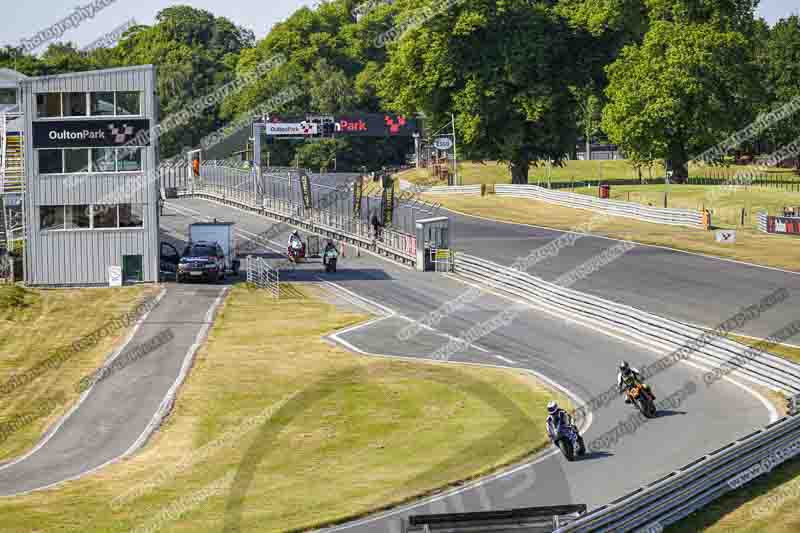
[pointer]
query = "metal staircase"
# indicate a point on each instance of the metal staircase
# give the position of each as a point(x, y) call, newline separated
point(12, 181)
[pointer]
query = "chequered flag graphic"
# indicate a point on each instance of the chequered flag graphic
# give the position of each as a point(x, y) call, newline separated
point(121, 135)
point(394, 128)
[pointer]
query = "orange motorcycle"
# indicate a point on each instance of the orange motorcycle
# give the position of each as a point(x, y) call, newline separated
point(643, 398)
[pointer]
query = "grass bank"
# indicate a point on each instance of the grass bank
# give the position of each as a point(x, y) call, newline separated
point(493, 172)
point(35, 325)
point(781, 251)
point(315, 433)
point(726, 205)
point(767, 504)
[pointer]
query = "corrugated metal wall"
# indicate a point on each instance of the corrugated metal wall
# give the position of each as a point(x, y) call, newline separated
point(82, 257)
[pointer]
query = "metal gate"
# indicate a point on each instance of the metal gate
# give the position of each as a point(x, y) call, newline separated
point(263, 276)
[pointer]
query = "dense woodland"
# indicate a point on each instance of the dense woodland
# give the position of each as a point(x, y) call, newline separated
point(525, 79)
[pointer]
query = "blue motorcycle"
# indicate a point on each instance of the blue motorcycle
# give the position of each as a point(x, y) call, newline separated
point(569, 442)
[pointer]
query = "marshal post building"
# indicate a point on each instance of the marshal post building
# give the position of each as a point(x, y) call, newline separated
point(92, 191)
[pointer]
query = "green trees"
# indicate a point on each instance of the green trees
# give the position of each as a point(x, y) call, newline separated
point(504, 69)
point(678, 93)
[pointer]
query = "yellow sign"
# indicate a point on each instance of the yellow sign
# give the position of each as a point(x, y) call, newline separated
point(442, 254)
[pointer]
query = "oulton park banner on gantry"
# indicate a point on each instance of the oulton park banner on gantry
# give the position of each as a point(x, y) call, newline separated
point(362, 124)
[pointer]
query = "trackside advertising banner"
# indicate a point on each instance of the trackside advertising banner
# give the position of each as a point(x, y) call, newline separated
point(789, 225)
point(305, 185)
point(388, 204)
point(91, 133)
point(358, 193)
point(352, 124)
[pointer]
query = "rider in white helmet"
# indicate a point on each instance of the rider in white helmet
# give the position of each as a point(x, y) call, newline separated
point(627, 378)
point(295, 236)
point(555, 417)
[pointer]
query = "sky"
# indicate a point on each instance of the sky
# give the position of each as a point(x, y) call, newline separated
point(29, 17)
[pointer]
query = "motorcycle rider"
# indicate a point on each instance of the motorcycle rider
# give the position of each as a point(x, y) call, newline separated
point(328, 247)
point(295, 236)
point(555, 418)
point(627, 378)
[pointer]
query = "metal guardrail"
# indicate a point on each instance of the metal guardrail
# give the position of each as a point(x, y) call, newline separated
point(671, 216)
point(766, 370)
point(530, 520)
point(263, 276)
point(761, 218)
point(445, 189)
point(683, 491)
point(394, 245)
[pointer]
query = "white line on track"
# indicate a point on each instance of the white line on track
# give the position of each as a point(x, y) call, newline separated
point(716, 258)
point(200, 215)
point(540, 457)
point(158, 416)
point(655, 346)
point(392, 313)
point(86, 393)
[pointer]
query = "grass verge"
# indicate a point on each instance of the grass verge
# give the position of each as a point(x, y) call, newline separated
point(472, 172)
point(726, 205)
point(35, 325)
point(767, 504)
point(780, 251)
point(318, 434)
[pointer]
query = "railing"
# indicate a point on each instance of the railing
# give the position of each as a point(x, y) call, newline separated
point(762, 218)
point(691, 487)
point(765, 369)
point(392, 244)
point(11, 179)
point(675, 217)
point(445, 189)
point(263, 276)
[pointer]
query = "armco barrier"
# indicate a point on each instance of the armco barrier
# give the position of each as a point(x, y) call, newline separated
point(766, 370)
point(681, 492)
point(675, 217)
point(392, 244)
point(445, 189)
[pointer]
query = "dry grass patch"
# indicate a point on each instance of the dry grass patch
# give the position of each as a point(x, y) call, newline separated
point(779, 251)
point(35, 325)
point(336, 434)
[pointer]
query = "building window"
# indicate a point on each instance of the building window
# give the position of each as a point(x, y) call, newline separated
point(48, 105)
point(76, 161)
point(8, 96)
point(129, 103)
point(129, 159)
point(91, 216)
point(74, 104)
point(102, 104)
point(77, 217)
point(131, 215)
point(104, 160)
point(51, 217)
point(104, 216)
point(51, 162)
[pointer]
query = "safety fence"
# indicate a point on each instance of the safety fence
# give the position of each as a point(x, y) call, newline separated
point(675, 217)
point(394, 245)
point(778, 225)
point(445, 189)
point(689, 488)
point(263, 276)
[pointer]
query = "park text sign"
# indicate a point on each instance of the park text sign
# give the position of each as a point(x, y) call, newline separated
point(91, 133)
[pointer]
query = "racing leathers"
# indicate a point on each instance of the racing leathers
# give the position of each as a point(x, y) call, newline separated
point(555, 420)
